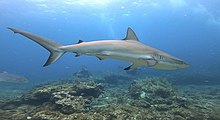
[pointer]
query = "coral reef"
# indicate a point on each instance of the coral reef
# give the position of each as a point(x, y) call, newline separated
point(117, 79)
point(67, 98)
point(149, 99)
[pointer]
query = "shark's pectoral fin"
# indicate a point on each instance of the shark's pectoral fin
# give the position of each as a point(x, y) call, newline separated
point(133, 66)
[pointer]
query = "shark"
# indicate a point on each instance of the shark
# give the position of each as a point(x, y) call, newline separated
point(128, 49)
point(12, 78)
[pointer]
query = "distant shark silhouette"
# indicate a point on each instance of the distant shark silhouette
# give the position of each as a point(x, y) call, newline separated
point(128, 49)
point(12, 78)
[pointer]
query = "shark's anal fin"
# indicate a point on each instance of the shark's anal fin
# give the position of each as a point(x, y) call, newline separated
point(100, 58)
point(133, 66)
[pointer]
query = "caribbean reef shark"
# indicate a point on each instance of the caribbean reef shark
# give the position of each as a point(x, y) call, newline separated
point(127, 49)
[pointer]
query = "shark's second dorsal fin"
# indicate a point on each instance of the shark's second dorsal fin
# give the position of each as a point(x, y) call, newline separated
point(131, 35)
point(80, 41)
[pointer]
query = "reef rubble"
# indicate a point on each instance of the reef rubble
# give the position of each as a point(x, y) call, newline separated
point(146, 99)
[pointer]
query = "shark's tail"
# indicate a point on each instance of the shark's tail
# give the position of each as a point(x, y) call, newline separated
point(52, 47)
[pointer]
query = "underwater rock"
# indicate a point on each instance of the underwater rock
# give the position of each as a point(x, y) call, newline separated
point(151, 87)
point(163, 92)
point(157, 92)
point(177, 117)
point(77, 97)
point(8, 107)
point(182, 101)
point(162, 107)
point(47, 115)
point(67, 98)
point(141, 103)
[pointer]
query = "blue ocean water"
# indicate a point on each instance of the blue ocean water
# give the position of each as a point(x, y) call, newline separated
point(183, 28)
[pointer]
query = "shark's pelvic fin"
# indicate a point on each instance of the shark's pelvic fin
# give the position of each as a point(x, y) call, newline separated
point(133, 66)
point(52, 47)
point(131, 35)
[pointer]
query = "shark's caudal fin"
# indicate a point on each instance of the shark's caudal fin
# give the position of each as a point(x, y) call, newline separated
point(52, 47)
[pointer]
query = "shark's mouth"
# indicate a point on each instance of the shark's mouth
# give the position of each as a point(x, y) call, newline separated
point(164, 63)
point(169, 65)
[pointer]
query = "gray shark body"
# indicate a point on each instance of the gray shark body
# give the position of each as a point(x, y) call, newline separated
point(128, 49)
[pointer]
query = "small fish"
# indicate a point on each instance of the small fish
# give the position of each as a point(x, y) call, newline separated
point(12, 78)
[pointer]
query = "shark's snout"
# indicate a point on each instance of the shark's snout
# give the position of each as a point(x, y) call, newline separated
point(183, 64)
point(165, 62)
point(178, 63)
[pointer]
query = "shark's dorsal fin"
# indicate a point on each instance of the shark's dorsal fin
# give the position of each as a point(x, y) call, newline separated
point(131, 35)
